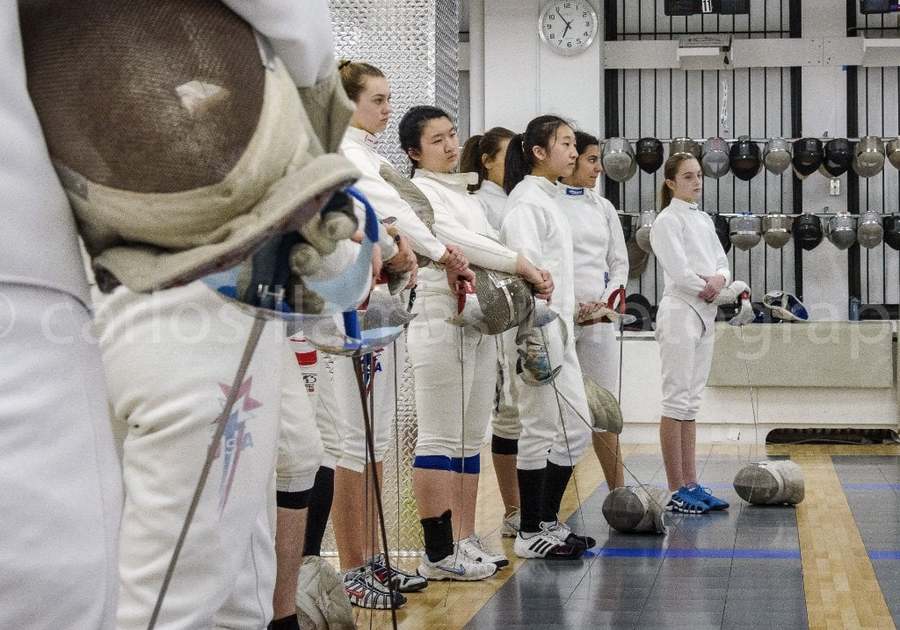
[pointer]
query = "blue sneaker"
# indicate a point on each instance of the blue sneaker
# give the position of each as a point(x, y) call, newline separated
point(684, 501)
point(703, 493)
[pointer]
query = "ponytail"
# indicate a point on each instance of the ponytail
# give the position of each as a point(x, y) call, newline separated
point(517, 164)
point(670, 171)
point(477, 147)
point(470, 161)
point(540, 132)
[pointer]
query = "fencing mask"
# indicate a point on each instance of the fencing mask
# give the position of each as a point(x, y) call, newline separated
point(808, 156)
point(777, 229)
point(618, 159)
point(322, 602)
point(637, 259)
point(868, 159)
point(870, 233)
point(892, 231)
point(499, 302)
point(643, 233)
point(207, 151)
point(685, 146)
point(745, 159)
point(838, 157)
point(777, 156)
point(746, 231)
point(841, 230)
point(606, 414)
point(650, 155)
point(770, 483)
point(715, 160)
point(723, 231)
point(893, 152)
point(808, 231)
point(636, 509)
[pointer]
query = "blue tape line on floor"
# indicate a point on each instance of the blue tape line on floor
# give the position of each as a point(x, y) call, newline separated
point(672, 552)
point(884, 555)
point(872, 486)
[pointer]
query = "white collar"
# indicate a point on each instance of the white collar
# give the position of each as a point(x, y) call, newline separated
point(544, 184)
point(683, 205)
point(491, 188)
point(362, 136)
point(460, 180)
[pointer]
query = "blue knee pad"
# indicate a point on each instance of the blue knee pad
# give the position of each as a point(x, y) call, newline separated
point(468, 465)
point(433, 462)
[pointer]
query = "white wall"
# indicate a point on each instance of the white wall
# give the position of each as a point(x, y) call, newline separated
point(523, 78)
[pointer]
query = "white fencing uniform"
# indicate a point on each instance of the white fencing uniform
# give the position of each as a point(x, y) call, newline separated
point(493, 200)
point(60, 484)
point(685, 244)
point(601, 266)
point(359, 146)
point(434, 344)
point(536, 227)
point(170, 359)
point(505, 416)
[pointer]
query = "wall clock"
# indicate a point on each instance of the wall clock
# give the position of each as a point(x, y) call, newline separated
point(568, 26)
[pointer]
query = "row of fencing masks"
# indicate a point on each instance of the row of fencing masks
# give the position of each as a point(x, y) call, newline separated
point(770, 483)
point(617, 158)
point(636, 509)
point(154, 209)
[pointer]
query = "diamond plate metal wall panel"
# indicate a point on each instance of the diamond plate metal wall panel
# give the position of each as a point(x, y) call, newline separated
point(415, 43)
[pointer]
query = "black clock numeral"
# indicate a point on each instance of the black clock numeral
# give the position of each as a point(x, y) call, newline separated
point(552, 35)
point(552, 16)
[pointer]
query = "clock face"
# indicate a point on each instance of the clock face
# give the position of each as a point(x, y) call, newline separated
point(568, 26)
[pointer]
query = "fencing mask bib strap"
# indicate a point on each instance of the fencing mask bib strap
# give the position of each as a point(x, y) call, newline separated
point(636, 509)
point(770, 483)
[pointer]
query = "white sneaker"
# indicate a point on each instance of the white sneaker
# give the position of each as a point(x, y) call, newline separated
point(564, 533)
point(474, 549)
point(457, 566)
point(543, 544)
point(510, 526)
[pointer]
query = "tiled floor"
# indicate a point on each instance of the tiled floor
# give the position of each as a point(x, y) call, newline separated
point(833, 562)
point(872, 486)
point(733, 569)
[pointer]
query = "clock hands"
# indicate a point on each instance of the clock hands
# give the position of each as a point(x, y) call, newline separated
point(568, 25)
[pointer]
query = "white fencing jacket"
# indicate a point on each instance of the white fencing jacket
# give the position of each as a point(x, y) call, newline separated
point(493, 200)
